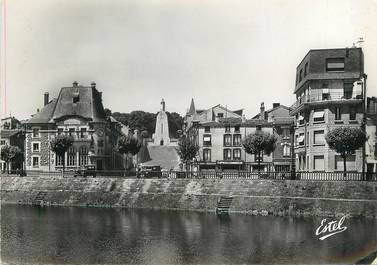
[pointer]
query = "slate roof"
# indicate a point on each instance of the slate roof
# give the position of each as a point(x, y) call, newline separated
point(270, 110)
point(45, 114)
point(8, 133)
point(89, 106)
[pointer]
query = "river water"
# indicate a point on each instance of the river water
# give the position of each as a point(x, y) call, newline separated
point(58, 235)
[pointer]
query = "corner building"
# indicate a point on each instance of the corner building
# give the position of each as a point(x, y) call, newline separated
point(329, 93)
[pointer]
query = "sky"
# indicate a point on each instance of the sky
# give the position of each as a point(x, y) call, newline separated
point(236, 53)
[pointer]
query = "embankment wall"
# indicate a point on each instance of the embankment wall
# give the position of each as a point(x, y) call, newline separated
point(278, 197)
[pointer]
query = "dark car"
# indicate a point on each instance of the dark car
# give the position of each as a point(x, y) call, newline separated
point(84, 171)
point(149, 172)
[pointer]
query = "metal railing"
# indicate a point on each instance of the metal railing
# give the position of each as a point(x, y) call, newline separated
point(212, 174)
point(318, 97)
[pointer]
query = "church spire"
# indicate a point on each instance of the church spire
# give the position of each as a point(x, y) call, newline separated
point(192, 110)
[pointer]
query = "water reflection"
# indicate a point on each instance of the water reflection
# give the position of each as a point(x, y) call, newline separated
point(89, 235)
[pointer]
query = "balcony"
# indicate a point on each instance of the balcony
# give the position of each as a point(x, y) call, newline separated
point(324, 98)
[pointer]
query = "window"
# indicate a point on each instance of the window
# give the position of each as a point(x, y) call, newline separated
point(35, 133)
point(207, 155)
point(35, 147)
point(319, 137)
point(237, 154)
point(319, 163)
point(71, 156)
point(338, 113)
point(76, 98)
point(300, 76)
point(301, 120)
point(325, 94)
point(352, 113)
point(60, 131)
point(237, 139)
point(207, 129)
point(286, 133)
point(100, 143)
point(83, 156)
point(306, 69)
point(350, 163)
point(237, 128)
point(35, 161)
point(2, 142)
point(227, 154)
point(227, 139)
point(59, 160)
point(227, 128)
point(301, 139)
point(259, 127)
point(220, 115)
point(286, 150)
point(206, 140)
point(319, 116)
point(347, 94)
point(71, 131)
point(335, 65)
point(83, 133)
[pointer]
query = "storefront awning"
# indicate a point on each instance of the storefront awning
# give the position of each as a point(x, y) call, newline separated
point(222, 162)
point(319, 114)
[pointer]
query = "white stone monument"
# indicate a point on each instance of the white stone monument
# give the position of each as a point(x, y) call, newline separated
point(161, 132)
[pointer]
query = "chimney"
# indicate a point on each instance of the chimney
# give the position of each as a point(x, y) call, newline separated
point(243, 118)
point(93, 84)
point(275, 105)
point(46, 99)
point(261, 115)
point(74, 83)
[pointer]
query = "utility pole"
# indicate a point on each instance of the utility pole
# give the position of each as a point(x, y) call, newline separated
point(363, 125)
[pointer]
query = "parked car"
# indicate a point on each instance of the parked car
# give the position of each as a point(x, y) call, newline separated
point(84, 171)
point(149, 172)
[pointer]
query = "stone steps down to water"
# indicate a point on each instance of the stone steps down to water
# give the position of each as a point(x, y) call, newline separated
point(280, 197)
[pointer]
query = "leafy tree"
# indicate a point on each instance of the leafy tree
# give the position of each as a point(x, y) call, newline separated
point(146, 121)
point(107, 112)
point(128, 144)
point(345, 141)
point(60, 145)
point(11, 154)
point(259, 142)
point(175, 123)
point(187, 150)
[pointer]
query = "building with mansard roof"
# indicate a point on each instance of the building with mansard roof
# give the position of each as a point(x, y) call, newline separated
point(78, 112)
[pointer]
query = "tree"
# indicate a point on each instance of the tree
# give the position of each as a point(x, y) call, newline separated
point(175, 123)
point(259, 142)
point(345, 141)
point(187, 150)
point(11, 154)
point(128, 144)
point(60, 145)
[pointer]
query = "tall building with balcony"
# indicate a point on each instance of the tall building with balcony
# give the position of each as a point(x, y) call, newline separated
point(79, 113)
point(329, 93)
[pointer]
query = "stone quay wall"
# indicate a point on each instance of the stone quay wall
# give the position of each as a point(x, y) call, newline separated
point(276, 197)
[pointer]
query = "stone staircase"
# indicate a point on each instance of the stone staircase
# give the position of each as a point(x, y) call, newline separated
point(39, 199)
point(223, 205)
